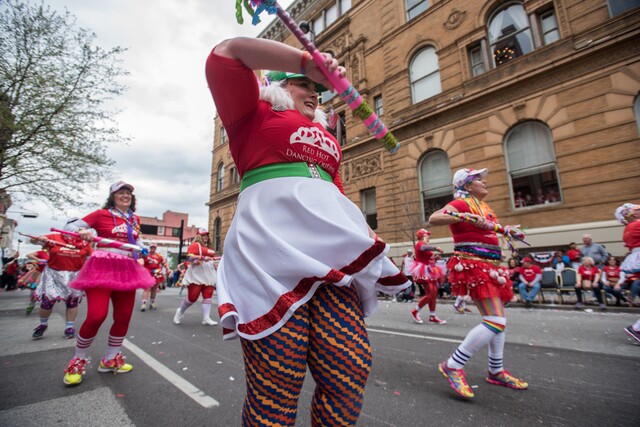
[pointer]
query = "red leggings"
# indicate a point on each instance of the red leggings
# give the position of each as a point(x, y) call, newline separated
point(98, 309)
point(195, 290)
point(430, 295)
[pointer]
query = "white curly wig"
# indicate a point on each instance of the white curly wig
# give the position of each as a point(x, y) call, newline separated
point(276, 95)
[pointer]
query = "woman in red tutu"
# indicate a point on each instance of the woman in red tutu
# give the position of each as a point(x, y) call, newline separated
point(474, 269)
point(110, 274)
point(427, 275)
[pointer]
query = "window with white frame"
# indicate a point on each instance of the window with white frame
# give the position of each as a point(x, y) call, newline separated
point(330, 15)
point(223, 135)
point(160, 231)
point(377, 105)
point(369, 207)
point(424, 74)
point(220, 181)
point(476, 60)
point(532, 166)
point(618, 7)
point(549, 27)
point(509, 33)
point(435, 182)
point(415, 8)
point(235, 177)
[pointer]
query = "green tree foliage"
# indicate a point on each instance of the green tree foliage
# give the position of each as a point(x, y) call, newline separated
point(55, 126)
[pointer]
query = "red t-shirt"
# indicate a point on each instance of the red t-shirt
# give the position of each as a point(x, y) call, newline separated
point(66, 259)
point(112, 226)
point(588, 273)
point(530, 273)
point(153, 261)
point(198, 249)
point(424, 257)
point(258, 134)
point(613, 273)
point(574, 255)
point(467, 232)
point(631, 235)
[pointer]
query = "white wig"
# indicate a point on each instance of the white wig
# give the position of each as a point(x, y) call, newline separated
point(276, 95)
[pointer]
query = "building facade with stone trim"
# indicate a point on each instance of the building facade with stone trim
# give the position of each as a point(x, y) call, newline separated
point(542, 93)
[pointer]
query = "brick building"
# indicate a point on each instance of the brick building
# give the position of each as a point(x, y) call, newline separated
point(543, 93)
point(165, 233)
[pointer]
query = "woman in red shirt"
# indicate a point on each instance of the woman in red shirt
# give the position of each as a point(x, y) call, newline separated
point(426, 274)
point(588, 278)
point(110, 274)
point(629, 215)
point(200, 278)
point(475, 270)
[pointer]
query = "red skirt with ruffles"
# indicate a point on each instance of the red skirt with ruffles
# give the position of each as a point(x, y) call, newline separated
point(109, 270)
point(479, 279)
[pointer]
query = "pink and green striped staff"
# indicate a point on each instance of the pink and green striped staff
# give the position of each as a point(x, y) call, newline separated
point(344, 87)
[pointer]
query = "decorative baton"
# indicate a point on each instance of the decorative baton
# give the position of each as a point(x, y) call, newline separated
point(103, 241)
point(508, 231)
point(343, 86)
point(48, 241)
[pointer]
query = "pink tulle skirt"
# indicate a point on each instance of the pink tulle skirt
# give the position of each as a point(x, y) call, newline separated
point(422, 272)
point(479, 279)
point(112, 271)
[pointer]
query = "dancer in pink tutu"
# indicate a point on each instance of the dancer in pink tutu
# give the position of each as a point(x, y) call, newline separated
point(426, 274)
point(110, 274)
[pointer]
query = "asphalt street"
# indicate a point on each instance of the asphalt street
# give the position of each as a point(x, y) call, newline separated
point(581, 368)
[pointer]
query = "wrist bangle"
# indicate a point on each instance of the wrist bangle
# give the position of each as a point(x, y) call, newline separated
point(303, 62)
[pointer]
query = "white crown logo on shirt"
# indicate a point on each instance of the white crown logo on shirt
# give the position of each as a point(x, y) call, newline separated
point(315, 138)
point(122, 228)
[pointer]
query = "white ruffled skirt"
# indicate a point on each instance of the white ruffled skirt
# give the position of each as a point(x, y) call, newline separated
point(288, 236)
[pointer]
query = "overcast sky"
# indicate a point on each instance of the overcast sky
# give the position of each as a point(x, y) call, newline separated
point(167, 112)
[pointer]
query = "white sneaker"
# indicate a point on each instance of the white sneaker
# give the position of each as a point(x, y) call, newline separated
point(177, 319)
point(208, 321)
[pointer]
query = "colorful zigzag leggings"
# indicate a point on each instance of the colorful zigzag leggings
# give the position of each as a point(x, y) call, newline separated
point(327, 335)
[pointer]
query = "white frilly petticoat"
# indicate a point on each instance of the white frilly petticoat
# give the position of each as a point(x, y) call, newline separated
point(631, 263)
point(289, 236)
point(54, 284)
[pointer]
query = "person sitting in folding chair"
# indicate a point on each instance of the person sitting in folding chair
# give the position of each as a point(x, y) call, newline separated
point(530, 276)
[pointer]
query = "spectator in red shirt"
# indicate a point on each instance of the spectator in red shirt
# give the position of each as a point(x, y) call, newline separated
point(574, 255)
point(530, 276)
point(588, 278)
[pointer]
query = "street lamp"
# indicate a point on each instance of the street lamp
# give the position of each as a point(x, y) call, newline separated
point(25, 214)
point(305, 27)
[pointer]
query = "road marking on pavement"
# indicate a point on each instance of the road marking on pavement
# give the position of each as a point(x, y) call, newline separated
point(424, 337)
point(185, 386)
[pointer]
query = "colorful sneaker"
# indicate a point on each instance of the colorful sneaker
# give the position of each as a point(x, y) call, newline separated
point(632, 333)
point(435, 319)
point(457, 380)
point(505, 379)
point(416, 316)
point(143, 307)
point(29, 309)
point(75, 371)
point(209, 321)
point(458, 309)
point(115, 365)
point(39, 331)
point(70, 333)
point(177, 319)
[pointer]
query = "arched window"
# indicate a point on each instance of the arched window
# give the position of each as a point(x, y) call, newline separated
point(435, 182)
point(532, 165)
point(509, 33)
point(217, 224)
point(220, 182)
point(424, 74)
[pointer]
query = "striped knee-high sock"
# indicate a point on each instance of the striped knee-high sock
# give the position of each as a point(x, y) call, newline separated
point(496, 350)
point(114, 346)
point(477, 338)
point(82, 346)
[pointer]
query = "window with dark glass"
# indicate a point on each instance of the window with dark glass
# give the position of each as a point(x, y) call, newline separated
point(149, 229)
point(217, 223)
point(377, 105)
point(509, 34)
point(175, 232)
point(636, 110)
point(532, 166)
point(435, 182)
point(369, 207)
point(223, 135)
point(618, 7)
